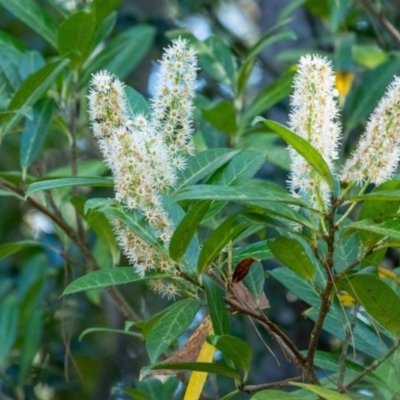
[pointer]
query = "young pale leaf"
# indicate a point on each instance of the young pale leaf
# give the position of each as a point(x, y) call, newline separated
point(304, 148)
point(67, 182)
point(233, 348)
point(380, 301)
point(136, 102)
point(170, 326)
point(216, 307)
point(222, 117)
point(80, 26)
point(325, 393)
point(30, 91)
point(203, 164)
point(9, 316)
point(31, 14)
point(108, 277)
point(35, 131)
point(218, 239)
point(185, 231)
point(291, 253)
point(202, 367)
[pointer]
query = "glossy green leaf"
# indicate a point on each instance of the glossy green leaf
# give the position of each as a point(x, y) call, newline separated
point(170, 326)
point(217, 240)
point(234, 193)
point(203, 164)
point(108, 277)
point(389, 228)
point(8, 249)
point(34, 16)
point(222, 116)
point(79, 26)
point(9, 316)
point(30, 91)
point(380, 301)
point(67, 182)
point(31, 342)
point(275, 92)
point(185, 231)
point(292, 254)
point(216, 307)
point(136, 102)
point(35, 131)
point(313, 157)
point(233, 348)
point(121, 54)
point(327, 394)
point(258, 250)
point(255, 279)
point(211, 368)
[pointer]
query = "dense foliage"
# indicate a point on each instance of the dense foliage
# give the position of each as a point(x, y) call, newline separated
point(181, 266)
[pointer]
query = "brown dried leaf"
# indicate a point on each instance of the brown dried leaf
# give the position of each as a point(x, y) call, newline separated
point(242, 269)
point(247, 299)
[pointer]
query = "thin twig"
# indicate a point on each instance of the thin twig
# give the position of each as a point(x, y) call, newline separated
point(371, 368)
point(346, 342)
point(383, 21)
point(271, 385)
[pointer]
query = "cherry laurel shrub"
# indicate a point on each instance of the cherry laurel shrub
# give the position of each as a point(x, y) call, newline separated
point(324, 252)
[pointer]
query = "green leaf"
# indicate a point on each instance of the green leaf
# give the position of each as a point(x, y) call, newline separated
point(30, 62)
point(186, 229)
point(35, 131)
point(109, 330)
point(121, 54)
point(79, 26)
point(135, 394)
point(380, 301)
point(255, 279)
point(203, 164)
point(275, 395)
point(384, 195)
point(312, 156)
point(30, 91)
point(108, 277)
point(201, 367)
point(327, 394)
point(216, 307)
point(34, 16)
point(291, 253)
point(32, 336)
point(102, 8)
point(258, 250)
point(222, 116)
point(9, 316)
point(9, 42)
point(170, 326)
point(217, 240)
point(67, 182)
point(136, 102)
point(135, 221)
point(233, 348)
point(275, 92)
point(8, 249)
point(389, 228)
point(240, 194)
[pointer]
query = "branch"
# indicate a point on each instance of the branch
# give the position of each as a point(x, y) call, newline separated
point(371, 368)
point(383, 21)
point(272, 385)
point(92, 265)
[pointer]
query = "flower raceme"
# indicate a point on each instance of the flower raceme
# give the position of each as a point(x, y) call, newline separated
point(314, 116)
point(144, 152)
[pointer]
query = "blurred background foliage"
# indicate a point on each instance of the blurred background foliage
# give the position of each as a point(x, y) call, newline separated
point(247, 50)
